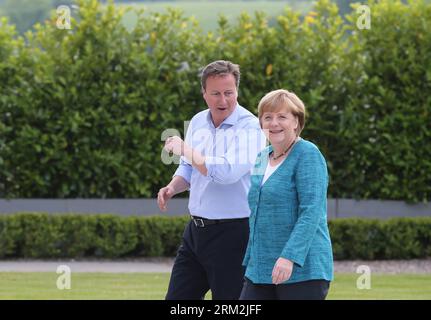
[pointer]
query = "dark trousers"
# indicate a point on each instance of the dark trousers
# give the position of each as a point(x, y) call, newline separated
point(210, 257)
point(304, 290)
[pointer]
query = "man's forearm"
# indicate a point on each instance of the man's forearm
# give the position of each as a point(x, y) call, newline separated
point(196, 159)
point(179, 184)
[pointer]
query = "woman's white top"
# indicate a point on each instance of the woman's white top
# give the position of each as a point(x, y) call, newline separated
point(270, 170)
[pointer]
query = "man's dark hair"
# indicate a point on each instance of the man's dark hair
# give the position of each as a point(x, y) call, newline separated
point(220, 68)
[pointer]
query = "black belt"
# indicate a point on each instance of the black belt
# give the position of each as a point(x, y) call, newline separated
point(202, 222)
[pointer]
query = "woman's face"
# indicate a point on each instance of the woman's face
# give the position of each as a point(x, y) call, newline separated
point(279, 127)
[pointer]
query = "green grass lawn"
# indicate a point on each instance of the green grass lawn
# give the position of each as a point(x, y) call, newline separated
point(207, 12)
point(152, 286)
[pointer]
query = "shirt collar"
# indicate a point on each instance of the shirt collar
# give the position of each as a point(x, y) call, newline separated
point(231, 120)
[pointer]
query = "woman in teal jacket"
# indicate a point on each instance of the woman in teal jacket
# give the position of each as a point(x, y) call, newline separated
point(289, 253)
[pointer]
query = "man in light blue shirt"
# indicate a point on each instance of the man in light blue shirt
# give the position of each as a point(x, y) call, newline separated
point(217, 155)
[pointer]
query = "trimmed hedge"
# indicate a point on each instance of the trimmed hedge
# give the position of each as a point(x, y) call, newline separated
point(82, 110)
point(38, 235)
point(370, 239)
point(33, 235)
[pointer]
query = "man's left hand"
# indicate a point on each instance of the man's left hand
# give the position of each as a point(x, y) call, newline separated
point(175, 145)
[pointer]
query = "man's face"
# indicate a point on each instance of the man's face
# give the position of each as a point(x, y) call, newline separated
point(221, 97)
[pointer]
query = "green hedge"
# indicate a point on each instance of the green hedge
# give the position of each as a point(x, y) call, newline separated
point(31, 235)
point(82, 110)
point(36, 235)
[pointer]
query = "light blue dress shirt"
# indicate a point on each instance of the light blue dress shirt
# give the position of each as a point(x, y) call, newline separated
point(230, 151)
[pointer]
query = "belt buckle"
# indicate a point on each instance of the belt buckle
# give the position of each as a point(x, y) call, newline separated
point(199, 223)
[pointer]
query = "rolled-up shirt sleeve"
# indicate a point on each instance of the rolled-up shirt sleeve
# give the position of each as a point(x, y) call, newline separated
point(238, 159)
point(184, 170)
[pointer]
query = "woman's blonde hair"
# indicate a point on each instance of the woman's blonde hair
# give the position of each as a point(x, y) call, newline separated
point(279, 99)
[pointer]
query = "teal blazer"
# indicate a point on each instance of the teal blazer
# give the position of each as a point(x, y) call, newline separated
point(288, 217)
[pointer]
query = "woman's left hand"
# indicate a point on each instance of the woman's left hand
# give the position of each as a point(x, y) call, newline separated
point(282, 270)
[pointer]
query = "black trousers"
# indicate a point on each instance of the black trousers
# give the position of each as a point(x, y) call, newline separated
point(210, 258)
point(304, 290)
